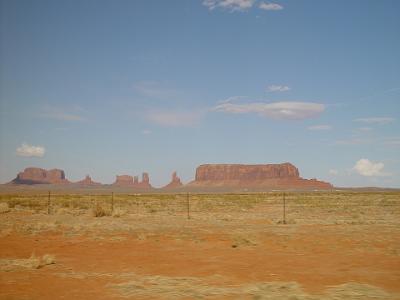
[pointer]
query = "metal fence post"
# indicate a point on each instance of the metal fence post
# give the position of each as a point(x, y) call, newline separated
point(48, 203)
point(284, 208)
point(188, 205)
point(112, 202)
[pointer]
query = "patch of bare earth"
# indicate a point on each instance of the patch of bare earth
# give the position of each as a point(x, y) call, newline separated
point(150, 256)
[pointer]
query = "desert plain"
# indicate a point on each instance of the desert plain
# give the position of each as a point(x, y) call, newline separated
point(272, 245)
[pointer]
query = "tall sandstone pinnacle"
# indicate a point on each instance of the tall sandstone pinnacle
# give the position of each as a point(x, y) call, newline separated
point(283, 175)
point(175, 182)
point(145, 183)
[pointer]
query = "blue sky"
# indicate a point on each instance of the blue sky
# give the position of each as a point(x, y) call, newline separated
point(122, 87)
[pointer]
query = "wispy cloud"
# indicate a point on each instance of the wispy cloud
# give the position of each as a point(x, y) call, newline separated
point(278, 88)
point(62, 115)
point(364, 129)
point(375, 120)
point(392, 141)
point(333, 172)
point(274, 110)
point(175, 118)
point(270, 6)
point(231, 5)
point(355, 141)
point(319, 127)
point(155, 89)
point(368, 168)
point(27, 150)
point(146, 131)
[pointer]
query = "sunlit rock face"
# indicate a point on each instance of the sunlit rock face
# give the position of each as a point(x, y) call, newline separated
point(40, 176)
point(284, 175)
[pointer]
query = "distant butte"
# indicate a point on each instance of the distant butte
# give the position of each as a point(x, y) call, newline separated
point(87, 181)
point(281, 176)
point(175, 182)
point(123, 180)
point(40, 176)
point(129, 181)
point(219, 176)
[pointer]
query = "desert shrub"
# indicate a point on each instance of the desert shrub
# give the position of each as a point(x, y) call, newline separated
point(118, 212)
point(47, 259)
point(4, 208)
point(99, 211)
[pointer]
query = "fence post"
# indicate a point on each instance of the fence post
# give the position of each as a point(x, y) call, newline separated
point(48, 203)
point(284, 208)
point(188, 205)
point(112, 202)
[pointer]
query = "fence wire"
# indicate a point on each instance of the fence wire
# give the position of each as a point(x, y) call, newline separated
point(286, 207)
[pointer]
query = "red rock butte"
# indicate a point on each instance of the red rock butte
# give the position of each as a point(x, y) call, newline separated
point(87, 181)
point(129, 181)
point(220, 176)
point(40, 176)
point(175, 182)
point(283, 176)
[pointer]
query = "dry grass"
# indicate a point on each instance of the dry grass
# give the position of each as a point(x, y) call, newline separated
point(99, 211)
point(301, 207)
point(33, 262)
point(163, 287)
point(4, 208)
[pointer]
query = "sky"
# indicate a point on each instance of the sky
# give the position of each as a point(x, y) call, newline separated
point(125, 87)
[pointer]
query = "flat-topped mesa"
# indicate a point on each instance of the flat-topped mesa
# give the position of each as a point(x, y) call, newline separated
point(283, 175)
point(87, 181)
point(123, 180)
point(217, 172)
point(175, 182)
point(40, 176)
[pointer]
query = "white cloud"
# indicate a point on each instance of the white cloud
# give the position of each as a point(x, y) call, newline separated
point(175, 118)
point(30, 151)
point(319, 127)
point(376, 120)
point(232, 5)
point(278, 88)
point(368, 168)
point(270, 6)
point(146, 131)
point(275, 110)
point(333, 172)
point(155, 89)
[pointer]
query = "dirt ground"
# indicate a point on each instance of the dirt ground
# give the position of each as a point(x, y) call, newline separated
point(237, 255)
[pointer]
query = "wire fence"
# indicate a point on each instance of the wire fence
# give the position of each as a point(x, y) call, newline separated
point(282, 207)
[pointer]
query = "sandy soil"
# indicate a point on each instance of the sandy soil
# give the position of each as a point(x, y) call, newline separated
point(231, 256)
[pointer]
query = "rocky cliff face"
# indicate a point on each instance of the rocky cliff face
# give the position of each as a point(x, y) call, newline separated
point(283, 175)
point(40, 176)
point(129, 181)
point(175, 182)
point(123, 180)
point(145, 183)
point(245, 172)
